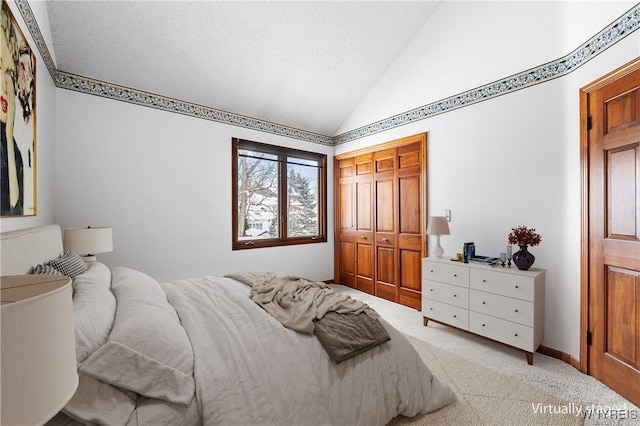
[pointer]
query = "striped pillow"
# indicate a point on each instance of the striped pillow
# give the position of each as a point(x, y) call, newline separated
point(70, 265)
point(45, 269)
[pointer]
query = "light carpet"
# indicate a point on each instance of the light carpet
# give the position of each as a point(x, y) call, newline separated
point(485, 397)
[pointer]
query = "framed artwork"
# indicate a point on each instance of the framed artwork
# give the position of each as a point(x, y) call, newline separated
point(18, 120)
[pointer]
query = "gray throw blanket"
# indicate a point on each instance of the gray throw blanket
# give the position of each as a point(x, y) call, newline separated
point(297, 302)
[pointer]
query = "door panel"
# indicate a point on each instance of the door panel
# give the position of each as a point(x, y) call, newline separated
point(385, 206)
point(385, 273)
point(623, 317)
point(364, 266)
point(410, 274)
point(614, 238)
point(410, 205)
point(363, 205)
point(623, 194)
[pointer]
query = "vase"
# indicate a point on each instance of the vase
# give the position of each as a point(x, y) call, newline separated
point(523, 259)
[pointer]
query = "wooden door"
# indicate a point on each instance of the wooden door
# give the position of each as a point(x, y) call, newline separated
point(386, 208)
point(363, 237)
point(410, 225)
point(613, 144)
point(345, 250)
point(380, 211)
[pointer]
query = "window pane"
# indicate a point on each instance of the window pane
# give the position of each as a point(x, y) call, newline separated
point(257, 195)
point(302, 198)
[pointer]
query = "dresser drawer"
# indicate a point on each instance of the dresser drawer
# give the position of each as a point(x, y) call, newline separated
point(445, 273)
point(515, 310)
point(448, 314)
point(447, 293)
point(505, 284)
point(517, 335)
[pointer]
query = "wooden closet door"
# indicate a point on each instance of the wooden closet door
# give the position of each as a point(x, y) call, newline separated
point(410, 225)
point(386, 219)
point(380, 206)
point(363, 236)
point(345, 251)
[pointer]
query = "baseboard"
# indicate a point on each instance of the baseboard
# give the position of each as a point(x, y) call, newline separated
point(554, 353)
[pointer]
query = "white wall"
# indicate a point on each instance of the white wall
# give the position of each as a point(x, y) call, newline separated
point(513, 160)
point(45, 135)
point(163, 182)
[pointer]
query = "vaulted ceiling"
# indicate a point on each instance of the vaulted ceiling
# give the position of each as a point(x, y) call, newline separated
point(303, 64)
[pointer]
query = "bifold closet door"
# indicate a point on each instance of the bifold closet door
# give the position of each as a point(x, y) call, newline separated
point(363, 237)
point(354, 258)
point(386, 209)
point(345, 254)
point(380, 220)
point(410, 224)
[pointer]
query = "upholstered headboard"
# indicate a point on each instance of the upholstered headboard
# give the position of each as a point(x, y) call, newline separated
point(23, 249)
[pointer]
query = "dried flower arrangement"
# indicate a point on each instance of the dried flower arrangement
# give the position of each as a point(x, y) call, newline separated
point(523, 236)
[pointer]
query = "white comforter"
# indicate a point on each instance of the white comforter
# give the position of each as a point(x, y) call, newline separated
point(249, 369)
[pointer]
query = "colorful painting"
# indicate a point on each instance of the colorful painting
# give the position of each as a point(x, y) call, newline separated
point(18, 116)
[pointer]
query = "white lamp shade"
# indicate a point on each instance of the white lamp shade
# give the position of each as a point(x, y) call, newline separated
point(438, 225)
point(38, 354)
point(88, 240)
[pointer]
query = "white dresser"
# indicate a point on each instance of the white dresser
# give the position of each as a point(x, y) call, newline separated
point(501, 303)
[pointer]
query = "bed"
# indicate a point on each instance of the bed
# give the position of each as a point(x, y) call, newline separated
point(200, 351)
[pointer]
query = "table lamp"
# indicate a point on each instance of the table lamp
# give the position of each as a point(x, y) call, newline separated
point(88, 241)
point(438, 226)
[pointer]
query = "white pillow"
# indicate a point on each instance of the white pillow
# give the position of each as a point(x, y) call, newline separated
point(94, 309)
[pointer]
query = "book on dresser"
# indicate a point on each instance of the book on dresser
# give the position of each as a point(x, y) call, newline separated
point(503, 304)
point(484, 260)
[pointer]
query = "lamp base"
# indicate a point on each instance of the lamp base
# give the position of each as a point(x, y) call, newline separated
point(89, 258)
point(438, 251)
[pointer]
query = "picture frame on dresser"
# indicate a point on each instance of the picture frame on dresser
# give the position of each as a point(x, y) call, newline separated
point(505, 305)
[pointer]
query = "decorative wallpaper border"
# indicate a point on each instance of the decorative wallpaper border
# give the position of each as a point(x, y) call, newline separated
point(616, 31)
point(107, 90)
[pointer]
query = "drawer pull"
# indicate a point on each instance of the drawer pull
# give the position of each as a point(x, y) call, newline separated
point(517, 287)
point(363, 237)
point(455, 295)
point(455, 275)
point(516, 310)
point(386, 240)
point(484, 303)
point(515, 335)
point(455, 316)
point(431, 270)
point(431, 309)
point(430, 289)
point(483, 325)
point(484, 281)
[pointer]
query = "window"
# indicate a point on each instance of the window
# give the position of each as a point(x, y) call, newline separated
point(279, 195)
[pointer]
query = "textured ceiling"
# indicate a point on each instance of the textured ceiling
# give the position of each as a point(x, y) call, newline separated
point(302, 64)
